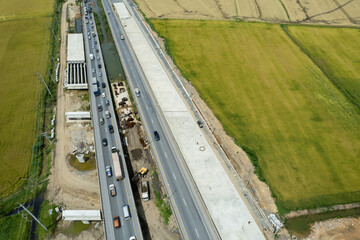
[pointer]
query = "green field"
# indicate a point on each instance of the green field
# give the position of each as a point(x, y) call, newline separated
point(18, 9)
point(337, 52)
point(24, 51)
point(273, 99)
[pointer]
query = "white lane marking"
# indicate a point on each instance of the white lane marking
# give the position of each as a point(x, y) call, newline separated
point(147, 107)
point(165, 154)
point(152, 121)
point(174, 176)
point(197, 233)
point(184, 202)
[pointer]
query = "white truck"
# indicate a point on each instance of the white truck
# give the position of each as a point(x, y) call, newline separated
point(144, 190)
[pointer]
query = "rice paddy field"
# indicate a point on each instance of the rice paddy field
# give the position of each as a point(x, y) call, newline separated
point(336, 52)
point(24, 51)
point(16, 9)
point(339, 12)
point(275, 100)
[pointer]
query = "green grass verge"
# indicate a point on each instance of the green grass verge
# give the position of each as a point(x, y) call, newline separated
point(48, 220)
point(97, 22)
point(9, 226)
point(89, 165)
point(164, 207)
point(302, 132)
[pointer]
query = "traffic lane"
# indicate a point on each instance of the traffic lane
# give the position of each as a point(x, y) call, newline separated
point(180, 193)
point(132, 207)
point(106, 207)
point(105, 155)
point(121, 195)
point(181, 202)
point(118, 200)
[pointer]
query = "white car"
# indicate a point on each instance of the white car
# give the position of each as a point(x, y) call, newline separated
point(132, 238)
point(103, 95)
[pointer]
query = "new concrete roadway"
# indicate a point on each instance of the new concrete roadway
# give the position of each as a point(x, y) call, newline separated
point(112, 206)
point(193, 219)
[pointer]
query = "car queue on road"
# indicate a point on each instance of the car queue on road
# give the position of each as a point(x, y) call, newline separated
point(104, 117)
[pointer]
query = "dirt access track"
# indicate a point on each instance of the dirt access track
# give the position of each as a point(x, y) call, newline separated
point(337, 12)
point(74, 189)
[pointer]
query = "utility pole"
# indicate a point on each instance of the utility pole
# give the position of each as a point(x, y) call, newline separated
point(52, 30)
point(33, 216)
point(54, 62)
point(57, 8)
point(44, 83)
point(52, 78)
point(47, 137)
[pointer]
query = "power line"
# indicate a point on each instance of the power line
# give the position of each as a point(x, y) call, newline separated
point(33, 216)
point(44, 83)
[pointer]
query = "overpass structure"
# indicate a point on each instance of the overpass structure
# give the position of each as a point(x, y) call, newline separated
point(82, 215)
point(228, 210)
point(76, 77)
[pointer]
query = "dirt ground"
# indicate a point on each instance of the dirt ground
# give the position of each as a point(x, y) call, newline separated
point(72, 189)
point(336, 229)
point(96, 232)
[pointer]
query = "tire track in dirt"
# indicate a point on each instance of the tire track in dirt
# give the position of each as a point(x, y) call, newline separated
point(324, 13)
point(147, 6)
point(180, 6)
point(344, 11)
point(219, 6)
point(303, 8)
point(259, 10)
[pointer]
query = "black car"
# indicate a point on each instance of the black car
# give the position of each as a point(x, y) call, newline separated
point(100, 108)
point(111, 129)
point(99, 65)
point(103, 85)
point(97, 50)
point(157, 136)
point(104, 142)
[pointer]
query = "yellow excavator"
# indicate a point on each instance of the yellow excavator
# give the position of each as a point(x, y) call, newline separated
point(141, 173)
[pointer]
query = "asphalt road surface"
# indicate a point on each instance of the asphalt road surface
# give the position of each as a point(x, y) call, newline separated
point(112, 206)
point(194, 222)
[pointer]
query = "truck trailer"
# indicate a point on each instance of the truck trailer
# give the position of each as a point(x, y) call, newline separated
point(116, 162)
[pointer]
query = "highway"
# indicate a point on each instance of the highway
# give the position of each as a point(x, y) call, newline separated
point(187, 206)
point(112, 206)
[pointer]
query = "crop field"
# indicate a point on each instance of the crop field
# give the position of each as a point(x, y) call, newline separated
point(18, 9)
point(271, 97)
point(24, 51)
point(337, 52)
point(320, 11)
